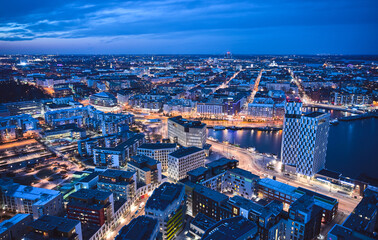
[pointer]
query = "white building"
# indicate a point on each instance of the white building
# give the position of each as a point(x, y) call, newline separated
point(240, 182)
point(184, 160)
point(31, 200)
point(210, 109)
point(304, 140)
point(186, 133)
point(158, 151)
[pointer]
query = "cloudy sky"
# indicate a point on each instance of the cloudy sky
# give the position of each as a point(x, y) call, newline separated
point(188, 26)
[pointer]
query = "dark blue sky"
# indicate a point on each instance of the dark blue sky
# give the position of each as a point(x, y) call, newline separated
point(188, 26)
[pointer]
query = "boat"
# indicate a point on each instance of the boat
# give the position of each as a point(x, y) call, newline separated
point(212, 139)
point(219, 127)
point(251, 149)
point(234, 128)
point(334, 122)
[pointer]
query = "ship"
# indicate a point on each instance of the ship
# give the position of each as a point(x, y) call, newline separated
point(219, 127)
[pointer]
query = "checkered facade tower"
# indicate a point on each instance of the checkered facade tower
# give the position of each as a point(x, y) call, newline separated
point(304, 139)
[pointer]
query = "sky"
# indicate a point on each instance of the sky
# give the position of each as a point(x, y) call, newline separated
point(189, 27)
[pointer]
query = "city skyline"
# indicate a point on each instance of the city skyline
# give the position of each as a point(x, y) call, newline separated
point(189, 27)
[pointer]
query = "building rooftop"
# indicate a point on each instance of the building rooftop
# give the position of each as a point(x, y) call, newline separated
point(342, 232)
point(155, 146)
point(198, 171)
point(220, 162)
point(203, 222)
point(6, 224)
point(89, 178)
point(277, 186)
point(187, 123)
point(364, 214)
point(244, 173)
point(90, 194)
point(182, 152)
point(140, 159)
point(38, 195)
point(164, 196)
point(231, 229)
point(112, 173)
point(50, 223)
point(103, 95)
point(329, 173)
point(209, 193)
point(321, 200)
point(132, 140)
point(139, 228)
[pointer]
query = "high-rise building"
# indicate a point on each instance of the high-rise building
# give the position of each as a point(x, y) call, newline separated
point(304, 140)
point(186, 133)
point(184, 160)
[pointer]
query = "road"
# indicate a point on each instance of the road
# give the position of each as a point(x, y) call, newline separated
point(249, 161)
point(254, 91)
point(133, 213)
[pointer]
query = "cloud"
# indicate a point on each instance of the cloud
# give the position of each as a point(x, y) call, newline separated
point(24, 20)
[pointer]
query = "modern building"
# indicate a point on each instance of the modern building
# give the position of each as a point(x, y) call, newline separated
point(140, 228)
point(184, 160)
point(346, 98)
point(70, 131)
point(236, 228)
point(34, 108)
point(87, 182)
point(240, 182)
point(77, 115)
point(209, 202)
point(108, 123)
point(26, 199)
point(158, 151)
point(167, 205)
point(148, 170)
point(186, 133)
point(212, 176)
point(16, 227)
point(52, 227)
point(268, 216)
point(13, 127)
point(86, 146)
point(200, 224)
point(91, 206)
point(122, 184)
point(103, 99)
point(362, 222)
point(274, 190)
point(304, 220)
point(117, 156)
point(304, 140)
